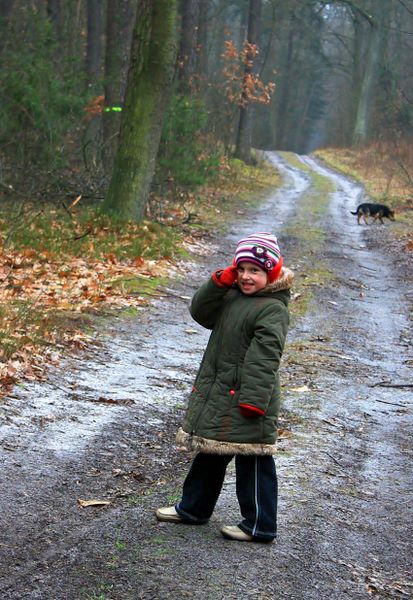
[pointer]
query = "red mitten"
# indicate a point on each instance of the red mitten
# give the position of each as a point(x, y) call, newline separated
point(227, 277)
point(250, 411)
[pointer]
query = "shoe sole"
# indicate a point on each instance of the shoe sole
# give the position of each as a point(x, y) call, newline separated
point(248, 538)
point(235, 538)
point(168, 518)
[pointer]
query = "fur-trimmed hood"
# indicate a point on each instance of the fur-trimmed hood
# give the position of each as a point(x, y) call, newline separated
point(284, 282)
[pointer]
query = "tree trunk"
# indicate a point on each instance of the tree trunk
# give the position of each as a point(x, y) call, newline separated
point(120, 14)
point(283, 86)
point(92, 137)
point(53, 11)
point(5, 10)
point(218, 36)
point(202, 45)
point(365, 104)
point(188, 44)
point(69, 22)
point(357, 71)
point(154, 51)
point(6, 7)
point(94, 42)
point(243, 24)
point(54, 14)
point(244, 134)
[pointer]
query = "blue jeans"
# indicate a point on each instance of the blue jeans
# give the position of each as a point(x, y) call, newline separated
point(256, 487)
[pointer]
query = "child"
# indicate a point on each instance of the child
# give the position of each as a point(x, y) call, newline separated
point(234, 403)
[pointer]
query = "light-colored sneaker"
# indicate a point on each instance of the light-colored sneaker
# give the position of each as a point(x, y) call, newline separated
point(233, 532)
point(168, 514)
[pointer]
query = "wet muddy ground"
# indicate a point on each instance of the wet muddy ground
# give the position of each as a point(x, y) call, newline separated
point(102, 428)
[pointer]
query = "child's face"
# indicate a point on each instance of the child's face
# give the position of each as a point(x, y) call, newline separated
point(251, 279)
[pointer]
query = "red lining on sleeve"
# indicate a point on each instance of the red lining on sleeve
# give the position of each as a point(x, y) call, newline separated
point(251, 409)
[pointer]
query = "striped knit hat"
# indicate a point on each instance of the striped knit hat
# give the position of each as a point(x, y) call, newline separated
point(261, 249)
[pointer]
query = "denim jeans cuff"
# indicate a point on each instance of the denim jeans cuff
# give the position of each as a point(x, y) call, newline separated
point(260, 536)
point(187, 518)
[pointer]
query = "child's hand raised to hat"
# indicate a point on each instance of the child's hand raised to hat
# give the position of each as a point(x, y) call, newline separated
point(227, 277)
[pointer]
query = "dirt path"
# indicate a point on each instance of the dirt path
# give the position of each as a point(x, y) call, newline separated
point(103, 428)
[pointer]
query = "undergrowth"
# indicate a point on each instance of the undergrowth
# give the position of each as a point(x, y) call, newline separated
point(385, 168)
point(61, 265)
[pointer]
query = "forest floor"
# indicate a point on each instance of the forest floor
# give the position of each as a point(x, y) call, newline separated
point(102, 427)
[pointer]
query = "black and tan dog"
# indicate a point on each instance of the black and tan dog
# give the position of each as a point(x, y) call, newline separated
point(377, 211)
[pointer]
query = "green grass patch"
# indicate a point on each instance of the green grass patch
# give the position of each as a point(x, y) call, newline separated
point(11, 338)
point(102, 592)
point(337, 161)
point(120, 545)
point(46, 251)
point(146, 286)
point(254, 181)
point(174, 497)
point(237, 189)
point(129, 313)
point(307, 234)
point(84, 232)
point(159, 540)
point(135, 499)
point(22, 324)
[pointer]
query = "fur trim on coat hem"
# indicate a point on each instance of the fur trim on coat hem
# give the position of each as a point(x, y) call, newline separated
point(207, 446)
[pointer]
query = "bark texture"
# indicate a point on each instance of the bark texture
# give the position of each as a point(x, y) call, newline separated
point(244, 134)
point(153, 55)
point(374, 57)
point(120, 14)
point(202, 44)
point(94, 41)
point(188, 45)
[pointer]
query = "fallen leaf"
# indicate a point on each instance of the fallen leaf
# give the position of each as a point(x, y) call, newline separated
point(283, 433)
point(139, 261)
point(301, 389)
point(125, 401)
point(84, 503)
point(372, 589)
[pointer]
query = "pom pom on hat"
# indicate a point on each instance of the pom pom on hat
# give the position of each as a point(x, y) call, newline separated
point(261, 249)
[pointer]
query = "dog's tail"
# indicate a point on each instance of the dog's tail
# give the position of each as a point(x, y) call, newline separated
point(354, 213)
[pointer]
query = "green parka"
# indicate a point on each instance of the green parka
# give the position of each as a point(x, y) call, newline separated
point(240, 366)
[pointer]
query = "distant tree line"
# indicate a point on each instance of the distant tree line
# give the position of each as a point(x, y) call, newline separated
point(128, 94)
